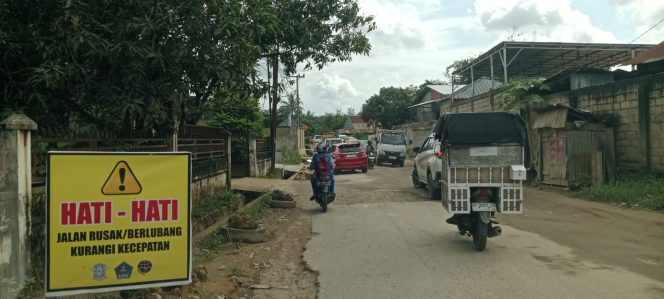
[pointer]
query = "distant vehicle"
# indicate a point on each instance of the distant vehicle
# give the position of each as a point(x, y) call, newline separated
point(364, 143)
point(391, 147)
point(332, 141)
point(317, 138)
point(426, 172)
point(349, 156)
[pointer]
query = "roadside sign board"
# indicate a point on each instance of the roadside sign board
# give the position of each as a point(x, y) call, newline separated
point(117, 221)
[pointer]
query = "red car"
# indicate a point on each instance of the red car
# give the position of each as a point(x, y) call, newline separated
point(349, 156)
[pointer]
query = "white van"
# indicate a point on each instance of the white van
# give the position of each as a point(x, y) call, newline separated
point(391, 147)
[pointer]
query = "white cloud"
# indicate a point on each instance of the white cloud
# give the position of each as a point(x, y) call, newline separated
point(644, 14)
point(416, 39)
point(540, 20)
point(399, 24)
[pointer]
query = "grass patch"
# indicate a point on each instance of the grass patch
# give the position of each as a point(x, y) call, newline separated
point(290, 157)
point(207, 211)
point(219, 238)
point(646, 191)
point(275, 174)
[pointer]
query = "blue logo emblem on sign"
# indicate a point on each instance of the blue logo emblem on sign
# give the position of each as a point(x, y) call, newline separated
point(99, 272)
point(144, 266)
point(123, 270)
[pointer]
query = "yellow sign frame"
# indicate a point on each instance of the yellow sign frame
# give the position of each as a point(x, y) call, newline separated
point(98, 241)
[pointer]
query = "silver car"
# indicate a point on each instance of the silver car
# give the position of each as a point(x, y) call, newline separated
point(426, 172)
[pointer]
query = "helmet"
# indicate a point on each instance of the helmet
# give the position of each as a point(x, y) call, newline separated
point(320, 148)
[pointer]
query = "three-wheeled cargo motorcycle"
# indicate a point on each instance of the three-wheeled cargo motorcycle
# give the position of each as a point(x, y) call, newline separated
point(482, 170)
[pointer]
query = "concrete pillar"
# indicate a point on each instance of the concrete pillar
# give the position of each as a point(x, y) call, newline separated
point(228, 161)
point(15, 201)
point(253, 163)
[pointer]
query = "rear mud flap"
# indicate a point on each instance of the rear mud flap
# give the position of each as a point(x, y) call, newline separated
point(485, 217)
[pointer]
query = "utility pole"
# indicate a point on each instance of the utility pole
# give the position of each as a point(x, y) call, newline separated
point(297, 90)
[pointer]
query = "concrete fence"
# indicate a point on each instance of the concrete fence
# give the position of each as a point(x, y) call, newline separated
point(15, 202)
point(22, 202)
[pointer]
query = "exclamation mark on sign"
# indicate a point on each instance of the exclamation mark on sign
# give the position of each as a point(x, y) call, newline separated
point(121, 171)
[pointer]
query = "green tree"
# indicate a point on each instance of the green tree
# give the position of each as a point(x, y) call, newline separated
point(389, 107)
point(520, 94)
point(291, 107)
point(459, 65)
point(326, 123)
point(313, 33)
point(128, 65)
point(232, 112)
point(350, 111)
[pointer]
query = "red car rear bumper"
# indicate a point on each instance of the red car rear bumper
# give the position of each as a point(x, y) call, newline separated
point(352, 164)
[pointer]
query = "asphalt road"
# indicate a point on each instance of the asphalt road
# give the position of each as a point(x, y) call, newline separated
point(383, 239)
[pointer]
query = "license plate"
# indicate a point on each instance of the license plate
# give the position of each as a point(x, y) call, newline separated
point(392, 157)
point(484, 206)
point(351, 156)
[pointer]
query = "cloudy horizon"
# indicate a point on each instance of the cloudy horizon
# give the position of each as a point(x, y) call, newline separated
point(416, 39)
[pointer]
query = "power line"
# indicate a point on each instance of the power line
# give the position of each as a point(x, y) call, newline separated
point(644, 33)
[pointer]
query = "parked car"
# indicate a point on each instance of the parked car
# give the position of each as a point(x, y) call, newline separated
point(349, 156)
point(426, 172)
point(317, 139)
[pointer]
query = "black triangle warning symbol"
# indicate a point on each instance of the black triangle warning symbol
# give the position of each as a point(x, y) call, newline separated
point(121, 181)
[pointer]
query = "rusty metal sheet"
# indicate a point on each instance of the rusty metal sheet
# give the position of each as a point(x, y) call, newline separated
point(551, 119)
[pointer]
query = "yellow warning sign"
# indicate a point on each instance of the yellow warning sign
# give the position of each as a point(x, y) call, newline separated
point(124, 230)
point(121, 181)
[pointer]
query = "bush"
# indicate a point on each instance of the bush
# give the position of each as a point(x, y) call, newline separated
point(290, 157)
point(207, 210)
point(242, 221)
point(643, 190)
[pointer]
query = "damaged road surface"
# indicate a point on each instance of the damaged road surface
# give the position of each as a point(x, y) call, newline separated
point(383, 239)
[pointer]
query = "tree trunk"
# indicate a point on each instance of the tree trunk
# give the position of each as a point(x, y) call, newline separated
point(275, 102)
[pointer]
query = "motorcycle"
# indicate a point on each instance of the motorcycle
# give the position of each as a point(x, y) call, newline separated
point(323, 196)
point(372, 159)
point(479, 223)
point(481, 174)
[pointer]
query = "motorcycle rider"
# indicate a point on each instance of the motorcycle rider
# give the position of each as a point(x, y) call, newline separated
point(370, 147)
point(321, 153)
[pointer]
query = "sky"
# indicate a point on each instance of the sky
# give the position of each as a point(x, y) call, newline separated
point(416, 39)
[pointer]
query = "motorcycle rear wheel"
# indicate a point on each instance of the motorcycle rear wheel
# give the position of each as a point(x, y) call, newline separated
point(480, 235)
point(323, 201)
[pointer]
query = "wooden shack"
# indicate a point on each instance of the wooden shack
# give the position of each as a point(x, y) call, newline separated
point(571, 147)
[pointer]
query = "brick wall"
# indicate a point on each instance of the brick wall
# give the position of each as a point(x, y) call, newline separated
point(657, 126)
point(639, 143)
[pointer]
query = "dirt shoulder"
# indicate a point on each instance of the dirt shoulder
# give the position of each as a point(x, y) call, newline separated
point(628, 238)
point(273, 269)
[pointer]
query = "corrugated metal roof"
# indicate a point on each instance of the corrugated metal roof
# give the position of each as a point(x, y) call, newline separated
point(544, 59)
point(481, 86)
point(442, 89)
point(652, 55)
point(356, 119)
point(551, 119)
point(427, 103)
